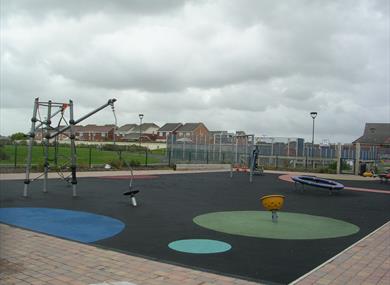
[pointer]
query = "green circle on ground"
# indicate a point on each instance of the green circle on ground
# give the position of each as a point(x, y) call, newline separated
point(199, 246)
point(289, 226)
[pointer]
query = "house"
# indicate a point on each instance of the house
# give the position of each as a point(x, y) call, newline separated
point(41, 132)
point(166, 130)
point(147, 131)
point(375, 140)
point(223, 137)
point(375, 134)
point(192, 133)
point(95, 133)
point(125, 130)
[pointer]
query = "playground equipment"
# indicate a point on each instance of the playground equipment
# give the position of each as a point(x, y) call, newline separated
point(131, 193)
point(273, 203)
point(249, 161)
point(50, 132)
point(384, 177)
point(317, 182)
point(256, 168)
point(368, 174)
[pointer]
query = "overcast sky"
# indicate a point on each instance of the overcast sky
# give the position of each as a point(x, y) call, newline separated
point(256, 66)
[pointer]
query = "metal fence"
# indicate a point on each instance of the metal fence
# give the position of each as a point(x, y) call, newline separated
point(273, 154)
point(92, 156)
point(290, 154)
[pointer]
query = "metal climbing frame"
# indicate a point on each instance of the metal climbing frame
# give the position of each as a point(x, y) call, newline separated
point(50, 133)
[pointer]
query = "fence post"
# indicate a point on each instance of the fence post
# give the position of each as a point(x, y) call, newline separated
point(189, 156)
point(338, 156)
point(305, 160)
point(276, 162)
point(15, 154)
point(357, 159)
point(169, 158)
point(146, 157)
point(90, 157)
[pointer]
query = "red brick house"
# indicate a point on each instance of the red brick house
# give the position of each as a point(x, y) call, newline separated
point(166, 130)
point(192, 133)
point(95, 133)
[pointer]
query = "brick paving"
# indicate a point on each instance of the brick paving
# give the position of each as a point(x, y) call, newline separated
point(32, 258)
point(36, 259)
point(367, 262)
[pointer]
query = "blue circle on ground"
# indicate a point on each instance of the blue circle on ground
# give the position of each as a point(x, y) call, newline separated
point(74, 225)
point(199, 246)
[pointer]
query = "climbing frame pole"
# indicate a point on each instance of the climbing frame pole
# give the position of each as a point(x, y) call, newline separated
point(47, 123)
point(72, 149)
point(30, 145)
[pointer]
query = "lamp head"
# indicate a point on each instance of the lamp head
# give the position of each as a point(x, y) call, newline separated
point(313, 114)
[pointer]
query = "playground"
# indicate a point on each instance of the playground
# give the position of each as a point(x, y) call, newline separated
point(207, 221)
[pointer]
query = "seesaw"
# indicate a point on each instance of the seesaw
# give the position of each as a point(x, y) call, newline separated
point(384, 177)
point(317, 182)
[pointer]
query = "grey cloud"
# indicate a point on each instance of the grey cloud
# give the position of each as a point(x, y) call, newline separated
point(40, 8)
point(259, 66)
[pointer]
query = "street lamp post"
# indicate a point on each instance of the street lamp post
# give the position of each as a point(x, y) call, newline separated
point(140, 127)
point(313, 115)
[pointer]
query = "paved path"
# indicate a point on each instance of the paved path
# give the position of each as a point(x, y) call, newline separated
point(17, 176)
point(31, 258)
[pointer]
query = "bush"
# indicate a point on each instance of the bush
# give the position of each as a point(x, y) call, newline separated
point(116, 163)
point(18, 136)
point(134, 163)
point(113, 147)
point(3, 154)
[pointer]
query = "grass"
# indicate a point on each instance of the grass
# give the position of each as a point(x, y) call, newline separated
point(85, 156)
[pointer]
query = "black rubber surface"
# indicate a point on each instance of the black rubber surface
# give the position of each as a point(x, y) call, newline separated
point(167, 205)
point(376, 184)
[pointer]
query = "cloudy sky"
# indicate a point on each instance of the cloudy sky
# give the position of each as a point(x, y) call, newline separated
point(257, 66)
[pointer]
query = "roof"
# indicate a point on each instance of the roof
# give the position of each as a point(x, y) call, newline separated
point(189, 127)
point(145, 126)
point(127, 127)
point(170, 127)
point(95, 128)
point(375, 133)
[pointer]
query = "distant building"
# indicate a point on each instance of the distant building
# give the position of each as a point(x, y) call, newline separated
point(147, 131)
point(4, 139)
point(125, 130)
point(166, 130)
point(192, 133)
point(95, 133)
point(223, 137)
point(375, 134)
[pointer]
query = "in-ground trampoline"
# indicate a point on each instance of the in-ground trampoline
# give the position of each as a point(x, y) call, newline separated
point(205, 221)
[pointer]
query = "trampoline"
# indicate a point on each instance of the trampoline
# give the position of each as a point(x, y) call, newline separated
point(318, 182)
